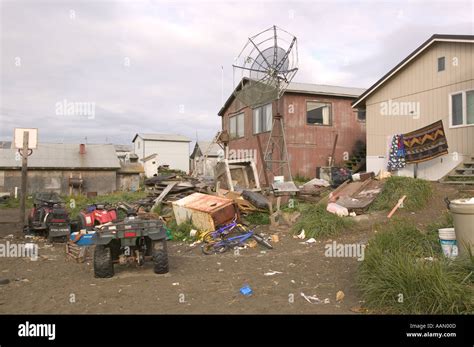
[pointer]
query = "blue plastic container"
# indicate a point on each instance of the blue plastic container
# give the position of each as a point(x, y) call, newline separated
point(85, 240)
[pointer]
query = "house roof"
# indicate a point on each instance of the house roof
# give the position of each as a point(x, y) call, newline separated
point(64, 156)
point(131, 168)
point(149, 157)
point(123, 148)
point(305, 88)
point(5, 144)
point(162, 137)
point(410, 57)
point(212, 149)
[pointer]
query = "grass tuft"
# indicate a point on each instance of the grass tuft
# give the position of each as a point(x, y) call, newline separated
point(417, 191)
point(395, 277)
point(317, 222)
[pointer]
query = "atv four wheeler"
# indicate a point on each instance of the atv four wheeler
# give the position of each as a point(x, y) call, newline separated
point(131, 240)
point(49, 215)
point(96, 214)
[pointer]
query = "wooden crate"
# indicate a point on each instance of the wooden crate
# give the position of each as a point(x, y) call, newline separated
point(80, 254)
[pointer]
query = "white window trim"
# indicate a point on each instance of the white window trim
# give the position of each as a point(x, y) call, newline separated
point(464, 109)
point(237, 126)
point(261, 107)
point(330, 114)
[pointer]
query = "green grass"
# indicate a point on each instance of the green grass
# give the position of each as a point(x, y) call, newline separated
point(15, 203)
point(395, 277)
point(317, 222)
point(180, 232)
point(417, 191)
point(299, 180)
point(257, 218)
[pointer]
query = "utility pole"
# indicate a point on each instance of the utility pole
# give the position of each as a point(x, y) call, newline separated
point(24, 177)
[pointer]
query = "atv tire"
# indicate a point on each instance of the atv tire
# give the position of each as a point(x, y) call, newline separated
point(103, 265)
point(160, 257)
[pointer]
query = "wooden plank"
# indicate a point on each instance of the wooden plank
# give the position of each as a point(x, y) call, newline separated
point(164, 193)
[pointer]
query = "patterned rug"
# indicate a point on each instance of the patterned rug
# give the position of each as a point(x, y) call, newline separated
point(426, 143)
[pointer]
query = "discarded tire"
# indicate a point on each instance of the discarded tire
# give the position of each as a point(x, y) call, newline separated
point(256, 199)
point(103, 265)
point(160, 257)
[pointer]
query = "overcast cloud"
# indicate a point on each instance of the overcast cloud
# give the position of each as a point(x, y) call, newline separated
point(155, 66)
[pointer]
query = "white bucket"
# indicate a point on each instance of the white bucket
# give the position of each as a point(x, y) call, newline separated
point(447, 239)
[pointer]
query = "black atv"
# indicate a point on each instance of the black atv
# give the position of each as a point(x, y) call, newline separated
point(49, 216)
point(131, 240)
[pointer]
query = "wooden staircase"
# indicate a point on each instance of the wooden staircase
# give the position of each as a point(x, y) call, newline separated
point(462, 174)
point(357, 161)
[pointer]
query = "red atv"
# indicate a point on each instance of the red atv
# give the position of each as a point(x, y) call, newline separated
point(96, 214)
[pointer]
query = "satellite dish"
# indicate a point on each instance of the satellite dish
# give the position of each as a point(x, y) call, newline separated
point(265, 66)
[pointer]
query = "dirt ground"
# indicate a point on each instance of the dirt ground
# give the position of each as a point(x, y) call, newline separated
point(197, 283)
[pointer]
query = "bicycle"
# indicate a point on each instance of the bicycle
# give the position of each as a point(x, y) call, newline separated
point(218, 241)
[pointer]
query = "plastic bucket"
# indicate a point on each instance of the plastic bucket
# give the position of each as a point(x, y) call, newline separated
point(447, 239)
point(463, 217)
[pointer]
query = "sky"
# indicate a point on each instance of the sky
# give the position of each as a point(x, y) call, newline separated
point(158, 66)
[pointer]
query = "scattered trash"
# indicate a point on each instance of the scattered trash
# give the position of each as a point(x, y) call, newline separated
point(340, 296)
point(252, 243)
point(301, 235)
point(311, 299)
point(246, 290)
point(311, 240)
point(327, 301)
point(337, 209)
point(275, 238)
point(175, 284)
point(397, 206)
point(271, 273)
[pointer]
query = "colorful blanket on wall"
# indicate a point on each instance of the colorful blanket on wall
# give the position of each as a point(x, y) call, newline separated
point(425, 144)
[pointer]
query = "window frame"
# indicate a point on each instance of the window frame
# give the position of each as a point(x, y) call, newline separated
point(365, 115)
point(331, 120)
point(444, 63)
point(261, 108)
point(463, 108)
point(237, 126)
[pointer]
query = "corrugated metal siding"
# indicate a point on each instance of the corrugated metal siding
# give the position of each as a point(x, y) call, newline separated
point(421, 82)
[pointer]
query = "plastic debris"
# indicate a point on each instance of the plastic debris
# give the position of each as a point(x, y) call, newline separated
point(246, 290)
point(311, 299)
point(271, 273)
point(340, 296)
point(301, 235)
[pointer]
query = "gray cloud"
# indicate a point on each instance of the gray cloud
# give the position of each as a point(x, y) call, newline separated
point(175, 51)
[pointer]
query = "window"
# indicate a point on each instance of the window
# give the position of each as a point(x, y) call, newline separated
point(318, 113)
point(236, 126)
point(262, 119)
point(441, 62)
point(361, 115)
point(462, 108)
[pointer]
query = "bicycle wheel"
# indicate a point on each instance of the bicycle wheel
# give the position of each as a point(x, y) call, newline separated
point(213, 248)
point(262, 241)
point(207, 237)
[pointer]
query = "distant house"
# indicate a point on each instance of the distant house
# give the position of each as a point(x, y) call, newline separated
point(435, 82)
point(150, 164)
point(172, 150)
point(64, 168)
point(200, 165)
point(123, 152)
point(313, 115)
